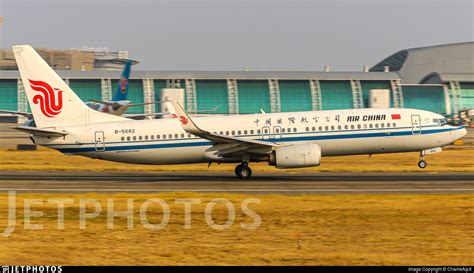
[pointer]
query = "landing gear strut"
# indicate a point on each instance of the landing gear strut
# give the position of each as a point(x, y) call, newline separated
point(243, 171)
point(422, 163)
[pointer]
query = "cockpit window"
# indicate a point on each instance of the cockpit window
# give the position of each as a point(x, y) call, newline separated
point(441, 121)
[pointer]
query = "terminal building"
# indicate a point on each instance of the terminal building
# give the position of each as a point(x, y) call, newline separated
point(434, 78)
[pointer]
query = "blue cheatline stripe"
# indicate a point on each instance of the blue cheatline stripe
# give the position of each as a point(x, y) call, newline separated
point(288, 139)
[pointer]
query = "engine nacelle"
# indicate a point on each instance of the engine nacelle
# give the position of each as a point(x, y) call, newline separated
point(296, 156)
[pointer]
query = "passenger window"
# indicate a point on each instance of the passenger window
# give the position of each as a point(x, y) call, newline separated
point(140, 137)
point(358, 126)
point(128, 138)
point(239, 132)
point(175, 135)
point(346, 127)
point(134, 137)
point(146, 137)
point(388, 124)
point(182, 135)
point(189, 135)
point(251, 132)
point(233, 133)
point(277, 130)
point(371, 126)
point(320, 128)
point(282, 130)
point(294, 130)
point(122, 138)
point(339, 127)
point(265, 131)
point(289, 130)
point(326, 128)
point(245, 132)
point(352, 126)
point(307, 129)
point(382, 125)
point(164, 136)
point(314, 129)
point(170, 136)
point(332, 128)
point(376, 125)
point(258, 131)
point(394, 124)
point(226, 133)
point(152, 136)
point(157, 136)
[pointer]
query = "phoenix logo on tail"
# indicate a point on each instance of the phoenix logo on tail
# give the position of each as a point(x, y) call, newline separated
point(51, 102)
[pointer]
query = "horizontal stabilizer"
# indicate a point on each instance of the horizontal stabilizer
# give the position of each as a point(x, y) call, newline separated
point(40, 132)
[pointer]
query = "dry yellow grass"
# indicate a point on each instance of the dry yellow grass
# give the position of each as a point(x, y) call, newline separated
point(331, 230)
point(451, 160)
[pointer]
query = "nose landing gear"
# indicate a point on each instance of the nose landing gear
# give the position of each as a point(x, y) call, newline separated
point(422, 163)
point(243, 171)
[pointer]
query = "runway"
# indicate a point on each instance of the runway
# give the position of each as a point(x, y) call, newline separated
point(265, 183)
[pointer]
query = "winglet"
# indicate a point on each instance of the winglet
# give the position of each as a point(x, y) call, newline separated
point(185, 120)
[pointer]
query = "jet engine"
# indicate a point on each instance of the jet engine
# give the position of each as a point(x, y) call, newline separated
point(296, 156)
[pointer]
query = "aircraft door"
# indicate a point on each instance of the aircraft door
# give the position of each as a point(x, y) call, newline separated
point(276, 132)
point(416, 124)
point(99, 141)
point(266, 133)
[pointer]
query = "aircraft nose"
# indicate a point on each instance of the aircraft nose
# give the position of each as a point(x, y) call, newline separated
point(460, 133)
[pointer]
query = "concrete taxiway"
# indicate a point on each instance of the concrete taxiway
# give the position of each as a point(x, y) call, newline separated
point(262, 183)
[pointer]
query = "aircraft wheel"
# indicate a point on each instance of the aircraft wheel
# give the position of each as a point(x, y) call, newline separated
point(422, 164)
point(243, 171)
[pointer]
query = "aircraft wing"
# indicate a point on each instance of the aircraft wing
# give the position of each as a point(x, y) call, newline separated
point(25, 114)
point(223, 145)
point(40, 132)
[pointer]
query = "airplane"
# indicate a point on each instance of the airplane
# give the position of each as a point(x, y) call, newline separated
point(284, 140)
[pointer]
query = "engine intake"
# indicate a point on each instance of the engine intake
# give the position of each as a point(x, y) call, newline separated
point(296, 156)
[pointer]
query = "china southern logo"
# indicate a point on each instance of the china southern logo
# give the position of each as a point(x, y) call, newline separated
point(123, 85)
point(50, 99)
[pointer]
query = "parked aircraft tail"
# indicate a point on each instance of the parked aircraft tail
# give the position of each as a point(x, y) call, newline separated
point(122, 88)
point(53, 103)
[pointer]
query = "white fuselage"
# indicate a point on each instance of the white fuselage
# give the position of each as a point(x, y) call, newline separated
point(337, 132)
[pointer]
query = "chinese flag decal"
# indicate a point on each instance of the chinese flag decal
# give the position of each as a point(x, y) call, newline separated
point(396, 116)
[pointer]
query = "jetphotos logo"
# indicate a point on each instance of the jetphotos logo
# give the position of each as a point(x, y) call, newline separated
point(50, 99)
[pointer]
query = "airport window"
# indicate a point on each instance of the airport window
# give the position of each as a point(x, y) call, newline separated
point(346, 127)
point(134, 137)
point(251, 132)
point(352, 126)
point(128, 138)
point(358, 126)
point(122, 138)
point(371, 126)
point(294, 130)
point(307, 129)
point(146, 137)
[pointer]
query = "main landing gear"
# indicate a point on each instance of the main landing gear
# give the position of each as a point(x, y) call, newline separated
point(422, 163)
point(243, 171)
